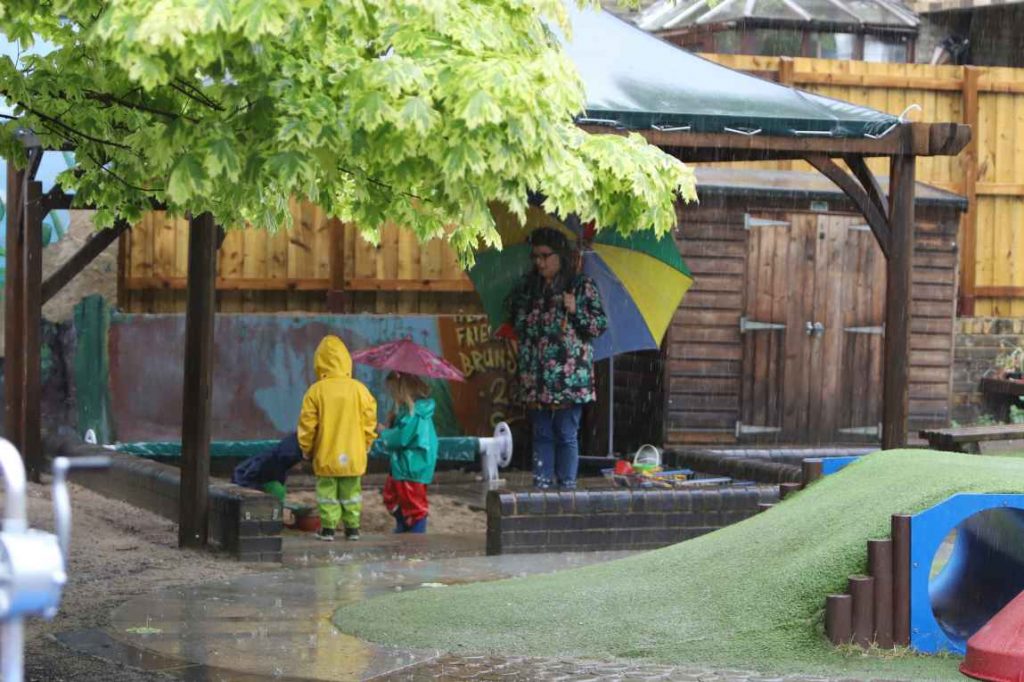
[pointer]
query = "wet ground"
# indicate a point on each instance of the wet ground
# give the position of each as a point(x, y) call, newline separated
point(277, 625)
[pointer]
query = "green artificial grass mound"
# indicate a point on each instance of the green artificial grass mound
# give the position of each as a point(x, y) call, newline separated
point(750, 595)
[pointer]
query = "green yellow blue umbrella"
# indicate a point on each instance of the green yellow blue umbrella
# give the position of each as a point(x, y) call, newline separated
point(641, 278)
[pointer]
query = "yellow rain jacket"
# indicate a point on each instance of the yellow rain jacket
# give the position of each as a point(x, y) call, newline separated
point(338, 421)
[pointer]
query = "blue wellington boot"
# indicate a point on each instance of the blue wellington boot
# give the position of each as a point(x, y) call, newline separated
point(419, 527)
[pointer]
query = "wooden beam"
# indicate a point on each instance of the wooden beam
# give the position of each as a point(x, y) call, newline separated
point(858, 195)
point(123, 244)
point(56, 199)
point(898, 294)
point(869, 182)
point(14, 349)
point(96, 245)
point(940, 139)
point(441, 285)
point(336, 297)
point(999, 292)
point(969, 224)
point(32, 320)
point(232, 283)
point(876, 80)
point(197, 396)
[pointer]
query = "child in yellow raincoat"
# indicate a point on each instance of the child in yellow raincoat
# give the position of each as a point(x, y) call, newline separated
point(336, 427)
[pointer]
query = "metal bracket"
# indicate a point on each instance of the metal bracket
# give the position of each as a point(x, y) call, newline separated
point(863, 430)
point(751, 430)
point(878, 331)
point(750, 222)
point(748, 325)
point(747, 132)
point(860, 228)
point(814, 328)
point(669, 129)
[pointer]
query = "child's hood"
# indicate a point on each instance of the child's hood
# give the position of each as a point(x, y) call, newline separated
point(332, 359)
point(425, 408)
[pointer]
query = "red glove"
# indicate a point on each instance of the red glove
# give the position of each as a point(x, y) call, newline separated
point(506, 331)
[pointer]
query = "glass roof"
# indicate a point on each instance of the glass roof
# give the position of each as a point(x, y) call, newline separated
point(670, 14)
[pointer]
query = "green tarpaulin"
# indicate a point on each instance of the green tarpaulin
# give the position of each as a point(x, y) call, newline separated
point(636, 81)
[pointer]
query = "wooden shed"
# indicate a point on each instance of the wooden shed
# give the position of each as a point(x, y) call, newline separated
point(780, 339)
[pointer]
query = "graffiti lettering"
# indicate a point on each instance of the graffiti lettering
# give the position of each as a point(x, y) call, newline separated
point(492, 359)
point(488, 364)
point(475, 333)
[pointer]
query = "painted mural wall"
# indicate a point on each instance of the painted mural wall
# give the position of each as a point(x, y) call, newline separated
point(264, 364)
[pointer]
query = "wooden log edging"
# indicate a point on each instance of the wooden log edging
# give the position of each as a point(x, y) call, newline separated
point(876, 608)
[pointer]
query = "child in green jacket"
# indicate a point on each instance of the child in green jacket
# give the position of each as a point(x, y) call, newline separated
point(411, 442)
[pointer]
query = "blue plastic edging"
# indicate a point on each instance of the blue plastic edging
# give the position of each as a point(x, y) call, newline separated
point(830, 465)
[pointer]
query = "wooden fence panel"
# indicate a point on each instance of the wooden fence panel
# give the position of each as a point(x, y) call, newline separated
point(292, 271)
point(991, 238)
point(259, 271)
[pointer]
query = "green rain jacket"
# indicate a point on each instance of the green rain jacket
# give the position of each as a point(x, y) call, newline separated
point(412, 443)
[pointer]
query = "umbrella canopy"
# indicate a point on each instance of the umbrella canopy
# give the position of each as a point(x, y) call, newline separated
point(405, 355)
point(641, 278)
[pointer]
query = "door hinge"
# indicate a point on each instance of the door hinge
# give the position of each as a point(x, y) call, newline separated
point(748, 325)
point(751, 430)
point(863, 430)
point(750, 222)
point(879, 331)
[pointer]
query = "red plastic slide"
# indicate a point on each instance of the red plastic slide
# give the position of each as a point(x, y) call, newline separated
point(996, 651)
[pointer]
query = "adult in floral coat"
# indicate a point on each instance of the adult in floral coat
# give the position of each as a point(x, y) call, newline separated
point(556, 312)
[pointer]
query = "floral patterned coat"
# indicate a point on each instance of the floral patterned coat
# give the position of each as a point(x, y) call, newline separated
point(555, 359)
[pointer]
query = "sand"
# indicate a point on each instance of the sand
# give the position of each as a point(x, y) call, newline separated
point(448, 515)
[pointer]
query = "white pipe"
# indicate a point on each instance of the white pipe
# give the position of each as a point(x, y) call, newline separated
point(12, 647)
point(15, 515)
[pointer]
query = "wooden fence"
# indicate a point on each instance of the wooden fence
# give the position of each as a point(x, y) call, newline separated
point(990, 172)
point(295, 270)
point(319, 263)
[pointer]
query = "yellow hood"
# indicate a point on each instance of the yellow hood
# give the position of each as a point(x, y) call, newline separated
point(332, 359)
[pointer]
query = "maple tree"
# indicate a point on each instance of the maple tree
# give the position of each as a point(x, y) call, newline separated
point(417, 112)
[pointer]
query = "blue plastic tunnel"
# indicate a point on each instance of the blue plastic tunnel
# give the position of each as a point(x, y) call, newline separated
point(984, 570)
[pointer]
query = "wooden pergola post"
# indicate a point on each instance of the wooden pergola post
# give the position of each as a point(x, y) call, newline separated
point(898, 297)
point(23, 301)
point(197, 397)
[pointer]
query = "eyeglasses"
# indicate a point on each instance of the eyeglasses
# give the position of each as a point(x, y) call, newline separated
point(536, 255)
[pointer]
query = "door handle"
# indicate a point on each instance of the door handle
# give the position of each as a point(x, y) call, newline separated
point(814, 328)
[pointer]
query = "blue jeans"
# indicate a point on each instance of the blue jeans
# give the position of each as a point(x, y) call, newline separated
point(556, 450)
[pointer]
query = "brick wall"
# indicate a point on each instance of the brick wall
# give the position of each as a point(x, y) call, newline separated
point(524, 522)
point(979, 342)
point(244, 523)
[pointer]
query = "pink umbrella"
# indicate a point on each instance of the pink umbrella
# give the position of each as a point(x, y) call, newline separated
point(407, 356)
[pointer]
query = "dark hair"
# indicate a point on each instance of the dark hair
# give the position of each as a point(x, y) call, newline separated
point(560, 244)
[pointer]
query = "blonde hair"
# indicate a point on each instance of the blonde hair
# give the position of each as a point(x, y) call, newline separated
point(406, 388)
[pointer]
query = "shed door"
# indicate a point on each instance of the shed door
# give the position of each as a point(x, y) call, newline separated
point(811, 330)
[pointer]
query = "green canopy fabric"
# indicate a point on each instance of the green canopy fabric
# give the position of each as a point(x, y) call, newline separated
point(636, 81)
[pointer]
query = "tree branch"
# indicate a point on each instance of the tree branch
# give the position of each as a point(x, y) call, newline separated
point(191, 92)
point(68, 130)
point(120, 179)
point(107, 98)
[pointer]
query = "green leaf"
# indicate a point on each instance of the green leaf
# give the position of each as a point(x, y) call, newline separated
point(221, 160)
point(185, 180)
point(480, 110)
point(418, 115)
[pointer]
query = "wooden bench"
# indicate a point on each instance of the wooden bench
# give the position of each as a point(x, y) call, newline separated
point(1000, 395)
point(978, 440)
